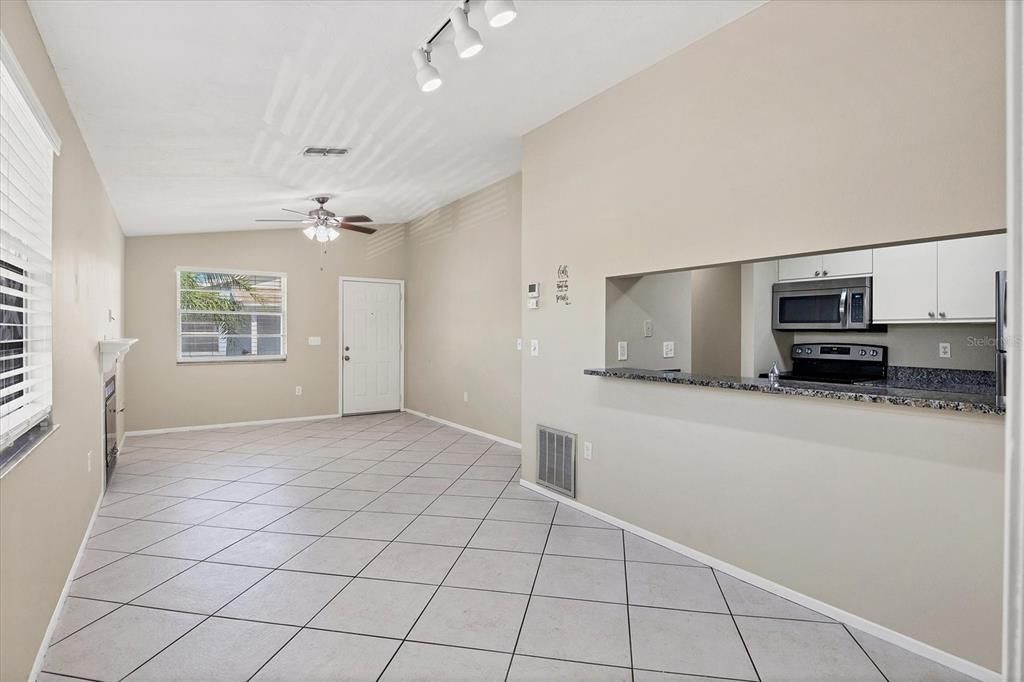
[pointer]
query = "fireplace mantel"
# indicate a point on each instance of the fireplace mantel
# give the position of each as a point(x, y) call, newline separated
point(112, 349)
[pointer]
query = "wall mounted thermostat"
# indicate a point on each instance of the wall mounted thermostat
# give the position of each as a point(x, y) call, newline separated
point(533, 290)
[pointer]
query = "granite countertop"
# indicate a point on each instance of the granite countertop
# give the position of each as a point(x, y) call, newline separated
point(957, 401)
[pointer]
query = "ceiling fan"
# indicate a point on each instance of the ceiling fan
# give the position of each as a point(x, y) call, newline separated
point(324, 224)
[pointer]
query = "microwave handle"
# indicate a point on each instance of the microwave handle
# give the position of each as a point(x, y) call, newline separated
point(842, 306)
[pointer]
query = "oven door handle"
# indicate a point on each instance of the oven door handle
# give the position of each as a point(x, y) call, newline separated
point(842, 308)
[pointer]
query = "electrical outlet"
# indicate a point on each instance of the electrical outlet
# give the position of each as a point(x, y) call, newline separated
point(465, 396)
point(588, 450)
point(298, 390)
point(519, 344)
point(668, 349)
point(534, 347)
point(648, 328)
point(314, 340)
point(944, 350)
point(623, 350)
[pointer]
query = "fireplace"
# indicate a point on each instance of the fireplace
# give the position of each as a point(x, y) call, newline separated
point(110, 423)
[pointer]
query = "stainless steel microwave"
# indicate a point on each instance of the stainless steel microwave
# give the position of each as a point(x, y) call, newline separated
point(843, 304)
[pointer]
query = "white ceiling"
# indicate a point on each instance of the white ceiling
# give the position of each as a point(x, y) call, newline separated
point(195, 112)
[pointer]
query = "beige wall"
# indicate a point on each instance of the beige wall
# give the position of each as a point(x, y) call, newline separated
point(664, 299)
point(163, 393)
point(462, 311)
point(47, 499)
point(716, 320)
point(801, 127)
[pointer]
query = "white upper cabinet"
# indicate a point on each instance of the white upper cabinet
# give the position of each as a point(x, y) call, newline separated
point(947, 281)
point(903, 289)
point(803, 267)
point(967, 270)
point(844, 264)
point(847, 263)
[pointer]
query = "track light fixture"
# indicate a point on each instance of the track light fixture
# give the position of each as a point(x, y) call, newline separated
point(426, 75)
point(467, 39)
point(499, 12)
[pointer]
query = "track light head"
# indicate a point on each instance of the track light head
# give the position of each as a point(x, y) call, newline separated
point(499, 12)
point(467, 39)
point(426, 75)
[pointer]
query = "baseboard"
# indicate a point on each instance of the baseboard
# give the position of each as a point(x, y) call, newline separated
point(914, 646)
point(37, 666)
point(225, 425)
point(475, 432)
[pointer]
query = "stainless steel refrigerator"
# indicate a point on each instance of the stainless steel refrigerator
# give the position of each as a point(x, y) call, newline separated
point(1001, 339)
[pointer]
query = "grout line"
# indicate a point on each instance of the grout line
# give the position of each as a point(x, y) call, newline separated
point(529, 598)
point(861, 647)
point(736, 625)
point(443, 579)
point(629, 614)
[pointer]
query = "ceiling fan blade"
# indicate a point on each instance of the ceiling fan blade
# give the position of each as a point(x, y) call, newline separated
point(294, 211)
point(357, 228)
point(357, 219)
point(268, 220)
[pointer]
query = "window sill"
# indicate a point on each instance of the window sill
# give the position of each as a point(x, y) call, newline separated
point(228, 361)
point(26, 445)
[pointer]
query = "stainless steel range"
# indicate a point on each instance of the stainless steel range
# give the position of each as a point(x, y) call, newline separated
point(838, 363)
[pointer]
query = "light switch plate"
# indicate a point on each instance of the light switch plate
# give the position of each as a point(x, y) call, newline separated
point(668, 349)
point(534, 347)
point(588, 450)
point(298, 390)
point(532, 303)
point(944, 350)
point(314, 340)
point(623, 350)
point(648, 328)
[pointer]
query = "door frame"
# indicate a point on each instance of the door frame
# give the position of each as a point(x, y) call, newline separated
point(341, 336)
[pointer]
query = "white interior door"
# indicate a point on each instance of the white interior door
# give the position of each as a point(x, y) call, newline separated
point(371, 347)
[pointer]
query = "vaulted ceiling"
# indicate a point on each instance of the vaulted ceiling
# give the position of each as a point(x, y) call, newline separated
point(196, 112)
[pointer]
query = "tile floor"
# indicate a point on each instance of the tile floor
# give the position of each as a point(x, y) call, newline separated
point(388, 547)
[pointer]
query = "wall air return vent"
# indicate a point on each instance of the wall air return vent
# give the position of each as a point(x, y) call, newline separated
point(556, 460)
point(325, 151)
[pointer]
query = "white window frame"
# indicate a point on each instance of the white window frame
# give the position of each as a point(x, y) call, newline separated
point(194, 360)
point(19, 438)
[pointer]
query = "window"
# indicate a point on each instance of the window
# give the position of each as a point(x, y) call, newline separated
point(27, 147)
point(230, 315)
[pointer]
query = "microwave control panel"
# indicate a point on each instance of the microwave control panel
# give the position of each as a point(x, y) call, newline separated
point(857, 307)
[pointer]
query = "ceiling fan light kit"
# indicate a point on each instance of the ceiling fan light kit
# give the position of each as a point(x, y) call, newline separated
point(324, 225)
point(467, 39)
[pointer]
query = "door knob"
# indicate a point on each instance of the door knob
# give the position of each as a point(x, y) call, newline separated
point(346, 358)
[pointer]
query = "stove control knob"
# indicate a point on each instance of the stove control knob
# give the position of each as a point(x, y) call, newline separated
point(874, 353)
point(799, 351)
point(863, 352)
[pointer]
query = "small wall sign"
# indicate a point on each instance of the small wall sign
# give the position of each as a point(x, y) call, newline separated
point(562, 285)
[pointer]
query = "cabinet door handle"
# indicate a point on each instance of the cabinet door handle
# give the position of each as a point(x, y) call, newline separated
point(942, 314)
point(817, 273)
point(824, 273)
point(930, 314)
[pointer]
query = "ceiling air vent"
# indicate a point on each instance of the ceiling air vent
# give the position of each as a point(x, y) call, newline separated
point(325, 151)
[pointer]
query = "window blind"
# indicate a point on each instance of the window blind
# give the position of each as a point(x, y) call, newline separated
point(26, 267)
point(231, 315)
